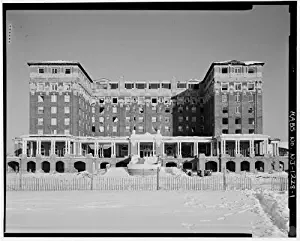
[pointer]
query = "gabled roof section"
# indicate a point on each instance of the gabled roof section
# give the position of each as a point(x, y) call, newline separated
point(60, 62)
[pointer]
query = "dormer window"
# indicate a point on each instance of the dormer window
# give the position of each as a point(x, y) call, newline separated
point(68, 71)
point(154, 85)
point(114, 86)
point(129, 86)
point(251, 70)
point(237, 70)
point(181, 85)
point(166, 85)
point(54, 70)
point(41, 70)
point(224, 70)
point(140, 86)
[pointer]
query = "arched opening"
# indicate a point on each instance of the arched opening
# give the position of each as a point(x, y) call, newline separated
point(259, 166)
point(245, 166)
point(281, 165)
point(187, 165)
point(230, 166)
point(14, 166)
point(80, 166)
point(103, 165)
point(46, 166)
point(171, 164)
point(121, 164)
point(211, 165)
point(31, 166)
point(60, 166)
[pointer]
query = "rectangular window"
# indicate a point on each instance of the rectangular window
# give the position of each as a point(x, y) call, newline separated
point(40, 110)
point(180, 128)
point(201, 110)
point(194, 119)
point(53, 121)
point(201, 100)
point(238, 70)
point(93, 119)
point(167, 119)
point(140, 86)
point(68, 71)
point(224, 98)
point(181, 85)
point(129, 86)
point(154, 100)
point(193, 129)
point(202, 118)
point(250, 98)
point(251, 131)
point(67, 121)
point(67, 132)
point(101, 128)
point(41, 70)
point(167, 128)
point(194, 86)
point(141, 128)
point(127, 128)
point(224, 70)
point(251, 70)
point(53, 87)
point(67, 109)
point(67, 87)
point(67, 98)
point(187, 118)
point(101, 100)
point(154, 85)
point(40, 131)
point(141, 118)
point(250, 86)
point(101, 110)
point(251, 121)
point(93, 109)
point(54, 70)
point(238, 131)
point(167, 110)
point(180, 118)
point(54, 132)
point(114, 86)
point(250, 110)
point(224, 121)
point(53, 109)
point(194, 109)
point(115, 119)
point(225, 109)
point(115, 100)
point(180, 109)
point(153, 118)
point(114, 110)
point(127, 118)
point(224, 86)
point(166, 85)
point(237, 98)
point(238, 121)
point(40, 98)
point(53, 98)
point(238, 86)
point(40, 121)
point(225, 131)
point(93, 129)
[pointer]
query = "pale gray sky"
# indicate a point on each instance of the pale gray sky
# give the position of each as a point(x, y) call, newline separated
point(150, 45)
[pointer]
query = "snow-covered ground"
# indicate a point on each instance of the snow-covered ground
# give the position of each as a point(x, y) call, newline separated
point(143, 211)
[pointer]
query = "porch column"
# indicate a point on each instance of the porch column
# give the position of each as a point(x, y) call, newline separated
point(251, 142)
point(31, 148)
point(211, 149)
point(74, 148)
point(66, 147)
point(40, 147)
point(95, 148)
point(163, 148)
point(266, 146)
point(138, 148)
point(195, 148)
point(153, 148)
point(52, 147)
point(69, 147)
point(222, 147)
point(80, 148)
point(218, 149)
point(113, 146)
point(24, 147)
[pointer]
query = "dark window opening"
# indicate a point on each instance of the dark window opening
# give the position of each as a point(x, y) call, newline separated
point(193, 129)
point(166, 85)
point(129, 86)
point(93, 129)
point(181, 85)
point(115, 119)
point(225, 110)
point(141, 110)
point(251, 70)
point(115, 100)
point(224, 121)
point(225, 131)
point(101, 110)
point(250, 110)
point(201, 110)
point(251, 131)
point(251, 121)
point(114, 86)
point(224, 70)
point(238, 131)
point(167, 110)
point(154, 86)
point(67, 71)
point(41, 71)
point(238, 121)
point(101, 100)
point(154, 100)
point(140, 86)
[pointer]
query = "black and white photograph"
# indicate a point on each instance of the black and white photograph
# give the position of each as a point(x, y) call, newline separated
point(148, 119)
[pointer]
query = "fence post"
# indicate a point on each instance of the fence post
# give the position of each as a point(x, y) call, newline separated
point(224, 179)
point(157, 179)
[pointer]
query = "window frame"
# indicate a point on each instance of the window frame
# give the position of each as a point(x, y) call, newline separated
point(181, 83)
point(40, 121)
point(129, 83)
point(166, 83)
point(53, 120)
point(41, 70)
point(223, 68)
point(223, 84)
point(251, 83)
point(66, 70)
point(141, 83)
point(67, 98)
point(53, 108)
point(114, 83)
point(154, 83)
point(238, 84)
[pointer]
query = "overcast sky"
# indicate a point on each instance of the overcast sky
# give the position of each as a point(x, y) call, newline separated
point(150, 45)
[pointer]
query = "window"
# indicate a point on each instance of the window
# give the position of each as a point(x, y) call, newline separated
point(93, 109)
point(53, 87)
point(224, 121)
point(250, 110)
point(53, 109)
point(250, 86)
point(167, 110)
point(238, 86)
point(54, 131)
point(224, 70)
point(140, 86)
point(40, 110)
point(141, 110)
point(141, 118)
point(194, 86)
point(237, 98)
point(238, 131)
point(201, 110)
point(193, 129)
point(154, 85)
point(93, 119)
point(40, 98)
point(225, 109)
point(180, 128)
point(67, 98)
point(114, 109)
point(114, 128)
point(54, 70)
point(201, 100)
point(41, 70)
point(194, 119)
point(115, 119)
point(238, 109)
point(202, 118)
point(101, 128)
point(251, 70)
point(166, 85)
point(53, 121)
point(224, 98)
point(101, 100)
point(251, 131)
point(187, 127)
point(40, 121)
point(101, 120)
point(187, 118)
point(141, 128)
point(153, 118)
point(127, 108)
point(40, 87)
point(115, 100)
point(67, 109)
point(129, 86)
point(250, 98)
point(224, 86)
point(53, 98)
point(187, 108)
point(180, 109)
point(114, 86)
point(167, 119)
point(101, 110)
point(251, 121)
point(167, 128)
point(68, 71)
point(67, 87)
point(237, 70)
point(225, 131)
point(67, 132)
point(93, 128)
point(181, 85)
point(40, 132)
point(238, 121)
point(154, 100)
point(127, 118)
point(180, 118)
point(194, 109)
point(67, 121)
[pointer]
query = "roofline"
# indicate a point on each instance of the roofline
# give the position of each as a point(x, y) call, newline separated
point(61, 63)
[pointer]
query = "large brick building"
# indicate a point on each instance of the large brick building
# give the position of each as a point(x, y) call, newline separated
point(74, 116)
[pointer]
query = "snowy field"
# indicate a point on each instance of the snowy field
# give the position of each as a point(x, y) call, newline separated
point(144, 211)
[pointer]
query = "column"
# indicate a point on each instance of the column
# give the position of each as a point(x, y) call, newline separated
point(266, 146)
point(95, 148)
point(74, 147)
point(163, 149)
point(69, 147)
point(52, 147)
point(138, 148)
point(66, 147)
point(195, 149)
point(80, 148)
point(251, 147)
point(211, 148)
point(31, 148)
point(222, 147)
point(153, 148)
point(24, 147)
point(218, 149)
point(112, 149)
point(238, 147)
point(39, 147)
